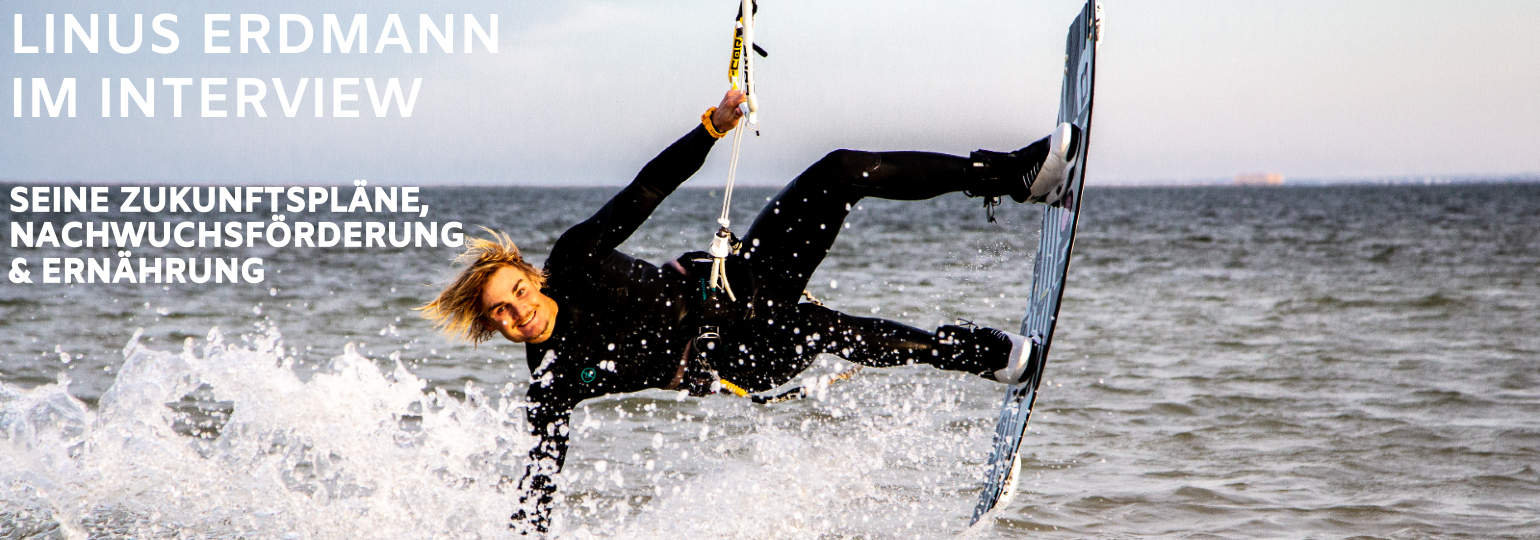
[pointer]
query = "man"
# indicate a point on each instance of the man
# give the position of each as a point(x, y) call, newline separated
point(598, 321)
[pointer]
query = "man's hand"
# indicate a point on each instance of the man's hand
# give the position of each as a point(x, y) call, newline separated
point(727, 114)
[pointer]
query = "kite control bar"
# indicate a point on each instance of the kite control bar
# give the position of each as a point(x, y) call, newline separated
point(743, 79)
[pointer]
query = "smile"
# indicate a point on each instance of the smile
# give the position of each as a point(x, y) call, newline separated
point(527, 320)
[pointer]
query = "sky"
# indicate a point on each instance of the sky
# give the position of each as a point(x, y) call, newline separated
point(584, 92)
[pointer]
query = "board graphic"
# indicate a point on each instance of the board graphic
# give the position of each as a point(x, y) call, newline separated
point(1053, 250)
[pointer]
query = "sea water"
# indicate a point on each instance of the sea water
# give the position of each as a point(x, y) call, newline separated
point(1231, 362)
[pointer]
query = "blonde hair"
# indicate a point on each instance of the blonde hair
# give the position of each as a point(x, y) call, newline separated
point(457, 310)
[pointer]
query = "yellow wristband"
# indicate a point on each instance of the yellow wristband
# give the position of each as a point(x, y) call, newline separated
point(705, 120)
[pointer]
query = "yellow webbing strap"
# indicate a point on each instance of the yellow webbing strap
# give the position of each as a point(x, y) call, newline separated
point(732, 65)
point(735, 389)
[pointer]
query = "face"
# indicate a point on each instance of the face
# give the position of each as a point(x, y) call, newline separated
point(512, 305)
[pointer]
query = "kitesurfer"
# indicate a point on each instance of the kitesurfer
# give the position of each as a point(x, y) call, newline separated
point(597, 321)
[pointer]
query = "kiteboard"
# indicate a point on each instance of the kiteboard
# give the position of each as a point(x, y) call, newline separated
point(1053, 250)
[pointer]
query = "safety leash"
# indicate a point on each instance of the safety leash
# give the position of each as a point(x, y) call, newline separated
point(801, 391)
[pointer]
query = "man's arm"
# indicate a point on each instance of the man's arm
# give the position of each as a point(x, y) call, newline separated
point(551, 422)
point(624, 213)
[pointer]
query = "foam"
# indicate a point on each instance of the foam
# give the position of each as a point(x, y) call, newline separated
point(224, 440)
point(339, 456)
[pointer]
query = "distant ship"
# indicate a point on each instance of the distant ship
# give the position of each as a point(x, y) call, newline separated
point(1259, 179)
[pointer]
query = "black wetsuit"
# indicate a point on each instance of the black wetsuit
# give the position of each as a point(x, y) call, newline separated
point(625, 325)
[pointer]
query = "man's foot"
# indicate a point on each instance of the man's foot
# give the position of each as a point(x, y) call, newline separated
point(1015, 370)
point(988, 347)
point(1051, 181)
point(1035, 173)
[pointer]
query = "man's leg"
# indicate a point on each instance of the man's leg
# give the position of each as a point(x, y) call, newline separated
point(794, 232)
point(770, 350)
point(792, 235)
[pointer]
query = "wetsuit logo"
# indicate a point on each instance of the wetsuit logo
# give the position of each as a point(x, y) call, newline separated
point(588, 374)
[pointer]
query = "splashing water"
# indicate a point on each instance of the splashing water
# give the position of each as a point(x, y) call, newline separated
point(233, 443)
